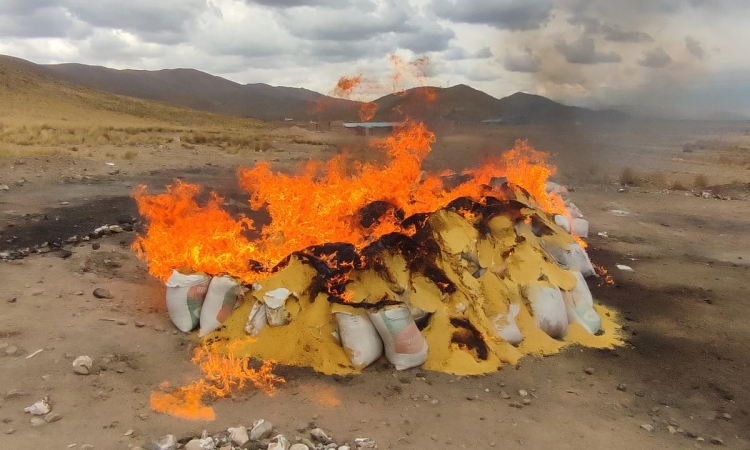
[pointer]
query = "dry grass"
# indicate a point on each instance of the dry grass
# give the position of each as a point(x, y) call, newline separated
point(678, 186)
point(629, 177)
point(657, 179)
point(701, 181)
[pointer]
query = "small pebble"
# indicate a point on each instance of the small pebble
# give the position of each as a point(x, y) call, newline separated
point(622, 387)
point(647, 427)
point(716, 441)
point(589, 371)
point(526, 401)
point(102, 293)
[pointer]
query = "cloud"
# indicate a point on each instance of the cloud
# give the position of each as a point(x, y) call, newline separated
point(501, 14)
point(655, 59)
point(162, 21)
point(455, 53)
point(483, 53)
point(296, 3)
point(583, 51)
point(615, 34)
point(525, 63)
point(694, 47)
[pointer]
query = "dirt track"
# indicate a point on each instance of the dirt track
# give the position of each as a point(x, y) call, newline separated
point(684, 308)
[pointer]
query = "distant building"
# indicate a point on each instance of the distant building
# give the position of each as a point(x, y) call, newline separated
point(370, 128)
point(494, 121)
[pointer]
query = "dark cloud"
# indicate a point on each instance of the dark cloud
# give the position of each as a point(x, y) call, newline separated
point(163, 21)
point(590, 24)
point(583, 51)
point(346, 24)
point(615, 34)
point(655, 58)
point(427, 37)
point(694, 47)
point(483, 53)
point(501, 14)
point(296, 3)
point(526, 63)
point(38, 22)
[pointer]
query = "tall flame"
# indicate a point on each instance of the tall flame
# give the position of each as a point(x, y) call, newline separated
point(318, 205)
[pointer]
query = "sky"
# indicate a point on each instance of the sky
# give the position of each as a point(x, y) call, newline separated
point(667, 58)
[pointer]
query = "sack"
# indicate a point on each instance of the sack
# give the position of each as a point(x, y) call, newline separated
point(359, 338)
point(506, 327)
point(562, 222)
point(275, 301)
point(581, 227)
point(580, 260)
point(221, 299)
point(185, 296)
point(405, 347)
point(256, 320)
point(579, 304)
point(548, 309)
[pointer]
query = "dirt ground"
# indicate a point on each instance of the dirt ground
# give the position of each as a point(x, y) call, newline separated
point(684, 308)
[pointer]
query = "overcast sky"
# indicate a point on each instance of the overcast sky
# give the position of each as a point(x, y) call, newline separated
point(659, 56)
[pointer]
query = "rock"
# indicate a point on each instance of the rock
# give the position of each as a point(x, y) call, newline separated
point(10, 431)
point(39, 408)
point(364, 443)
point(308, 442)
point(96, 246)
point(319, 435)
point(515, 405)
point(504, 395)
point(121, 321)
point(726, 416)
point(622, 387)
point(11, 350)
point(640, 394)
point(716, 441)
point(344, 447)
point(206, 443)
point(87, 447)
point(4, 187)
point(139, 324)
point(12, 299)
point(238, 435)
point(37, 421)
point(672, 421)
point(129, 432)
point(280, 442)
point(526, 401)
point(299, 446)
point(102, 293)
point(522, 393)
point(262, 429)
point(647, 427)
point(167, 442)
point(671, 429)
point(589, 371)
point(82, 365)
point(52, 417)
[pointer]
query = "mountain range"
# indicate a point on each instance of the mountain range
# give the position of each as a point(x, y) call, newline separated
point(205, 92)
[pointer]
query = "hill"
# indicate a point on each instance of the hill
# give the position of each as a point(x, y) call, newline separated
point(465, 104)
point(32, 93)
point(205, 92)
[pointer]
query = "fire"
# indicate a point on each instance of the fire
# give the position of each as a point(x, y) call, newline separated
point(222, 372)
point(605, 279)
point(346, 85)
point(367, 111)
point(319, 205)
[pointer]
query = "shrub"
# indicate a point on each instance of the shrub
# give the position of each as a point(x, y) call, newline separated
point(630, 177)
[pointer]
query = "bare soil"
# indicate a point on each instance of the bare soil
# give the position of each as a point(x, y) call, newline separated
point(684, 309)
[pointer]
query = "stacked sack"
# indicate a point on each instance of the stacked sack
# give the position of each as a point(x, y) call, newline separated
point(197, 299)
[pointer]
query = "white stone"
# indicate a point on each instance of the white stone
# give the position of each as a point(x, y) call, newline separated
point(364, 443)
point(39, 408)
point(238, 435)
point(280, 442)
point(319, 435)
point(299, 446)
point(82, 365)
point(262, 429)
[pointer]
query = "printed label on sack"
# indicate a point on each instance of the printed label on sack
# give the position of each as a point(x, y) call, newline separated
point(227, 306)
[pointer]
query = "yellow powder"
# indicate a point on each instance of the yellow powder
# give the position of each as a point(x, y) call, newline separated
point(512, 264)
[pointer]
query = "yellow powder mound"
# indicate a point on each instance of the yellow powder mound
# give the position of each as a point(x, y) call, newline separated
point(492, 271)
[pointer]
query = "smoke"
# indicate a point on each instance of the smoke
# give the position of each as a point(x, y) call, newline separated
point(658, 58)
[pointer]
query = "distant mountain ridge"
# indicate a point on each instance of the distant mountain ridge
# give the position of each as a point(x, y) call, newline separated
point(205, 92)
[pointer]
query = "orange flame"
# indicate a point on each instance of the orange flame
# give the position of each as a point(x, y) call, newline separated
point(605, 279)
point(222, 372)
point(319, 205)
point(367, 111)
point(346, 85)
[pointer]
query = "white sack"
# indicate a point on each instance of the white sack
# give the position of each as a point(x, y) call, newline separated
point(275, 301)
point(548, 309)
point(573, 210)
point(256, 320)
point(580, 260)
point(405, 347)
point(562, 222)
point(506, 327)
point(185, 296)
point(581, 227)
point(221, 299)
point(359, 338)
point(579, 304)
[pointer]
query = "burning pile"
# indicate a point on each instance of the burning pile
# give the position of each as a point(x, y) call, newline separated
point(460, 273)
